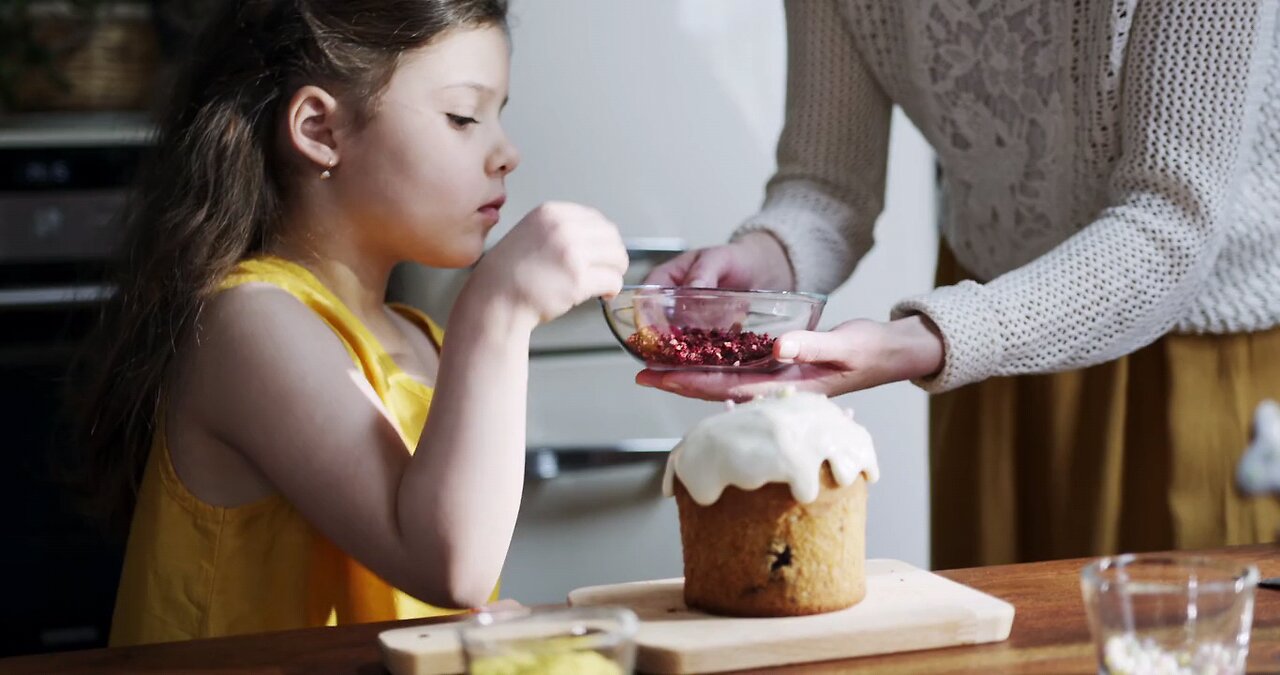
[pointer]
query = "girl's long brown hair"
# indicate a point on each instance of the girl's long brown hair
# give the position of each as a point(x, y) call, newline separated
point(212, 192)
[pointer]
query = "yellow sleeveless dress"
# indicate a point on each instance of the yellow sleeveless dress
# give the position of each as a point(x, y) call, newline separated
point(194, 570)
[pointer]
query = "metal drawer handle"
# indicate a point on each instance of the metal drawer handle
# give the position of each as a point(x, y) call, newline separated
point(547, 463)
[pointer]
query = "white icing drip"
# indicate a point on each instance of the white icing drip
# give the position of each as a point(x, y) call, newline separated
point(772, 440)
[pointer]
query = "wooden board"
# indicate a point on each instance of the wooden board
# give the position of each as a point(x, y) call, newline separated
point(906, 609)
point(422, 650)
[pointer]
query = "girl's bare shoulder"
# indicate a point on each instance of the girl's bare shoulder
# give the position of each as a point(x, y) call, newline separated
point(259, 319)
point(256, 349)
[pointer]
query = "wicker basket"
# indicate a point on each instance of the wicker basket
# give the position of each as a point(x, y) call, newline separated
point(107, 63)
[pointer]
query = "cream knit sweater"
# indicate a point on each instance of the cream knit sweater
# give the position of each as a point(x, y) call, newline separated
point(1111, 168)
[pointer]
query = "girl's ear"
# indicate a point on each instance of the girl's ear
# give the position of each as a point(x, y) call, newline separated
point(311, 122)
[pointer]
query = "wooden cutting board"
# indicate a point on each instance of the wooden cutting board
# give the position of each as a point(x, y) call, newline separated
point(906, 609)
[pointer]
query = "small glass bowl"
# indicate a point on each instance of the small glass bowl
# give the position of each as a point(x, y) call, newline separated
point(1154, 613)
point(682, 328)
point(524, 641)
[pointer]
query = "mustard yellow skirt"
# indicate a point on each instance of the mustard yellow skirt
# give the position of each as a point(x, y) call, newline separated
point(1137, 454)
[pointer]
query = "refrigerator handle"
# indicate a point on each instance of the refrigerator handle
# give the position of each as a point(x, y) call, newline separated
point(649, 252)
point(653, 248)
point(546, 463)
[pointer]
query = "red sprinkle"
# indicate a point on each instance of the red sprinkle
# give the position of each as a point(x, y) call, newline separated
point(701, 347)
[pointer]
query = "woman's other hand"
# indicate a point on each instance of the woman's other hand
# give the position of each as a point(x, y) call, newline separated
point(754, 261)
point(854, 355)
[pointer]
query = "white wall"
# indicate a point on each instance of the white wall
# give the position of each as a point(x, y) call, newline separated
point(664, 115)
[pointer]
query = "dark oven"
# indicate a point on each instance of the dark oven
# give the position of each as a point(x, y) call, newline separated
point(62, 180)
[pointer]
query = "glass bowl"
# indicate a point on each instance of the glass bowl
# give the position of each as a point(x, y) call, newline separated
point(683, 328)
point(1156, 613)
point(586, 640)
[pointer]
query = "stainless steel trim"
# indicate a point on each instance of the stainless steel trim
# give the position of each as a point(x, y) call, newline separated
point(55, 296)
point(40, 130)
point(546, 463)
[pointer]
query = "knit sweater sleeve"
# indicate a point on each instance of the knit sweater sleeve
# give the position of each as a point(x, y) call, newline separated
point(828, 190)
point(1190, 81)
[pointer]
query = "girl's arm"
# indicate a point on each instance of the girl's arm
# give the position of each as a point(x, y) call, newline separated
point(459, 505)
point(266, 378)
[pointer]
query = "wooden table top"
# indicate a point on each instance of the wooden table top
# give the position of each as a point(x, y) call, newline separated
point(1049, 635)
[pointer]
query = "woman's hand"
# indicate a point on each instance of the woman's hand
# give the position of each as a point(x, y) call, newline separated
point(854, 355)
point(558, 256)
point(753, 261)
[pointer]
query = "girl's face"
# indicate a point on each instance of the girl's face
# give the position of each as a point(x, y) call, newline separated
point(424, 179)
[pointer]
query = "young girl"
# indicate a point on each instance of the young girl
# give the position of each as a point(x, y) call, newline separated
point(258, 408)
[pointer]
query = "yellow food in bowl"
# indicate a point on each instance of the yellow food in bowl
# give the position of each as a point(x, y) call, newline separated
point(545, 663)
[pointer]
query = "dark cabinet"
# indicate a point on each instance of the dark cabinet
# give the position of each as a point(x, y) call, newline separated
point(62, 182)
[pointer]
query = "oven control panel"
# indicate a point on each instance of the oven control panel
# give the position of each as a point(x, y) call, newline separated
point(62, 183)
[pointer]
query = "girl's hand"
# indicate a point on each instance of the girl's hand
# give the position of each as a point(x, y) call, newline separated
point(754, 261)
point(855, 355)
point(558, 256)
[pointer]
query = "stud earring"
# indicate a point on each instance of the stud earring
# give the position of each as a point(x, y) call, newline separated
point(328, 173)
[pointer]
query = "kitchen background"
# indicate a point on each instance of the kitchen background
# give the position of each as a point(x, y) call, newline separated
point(662, 114)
